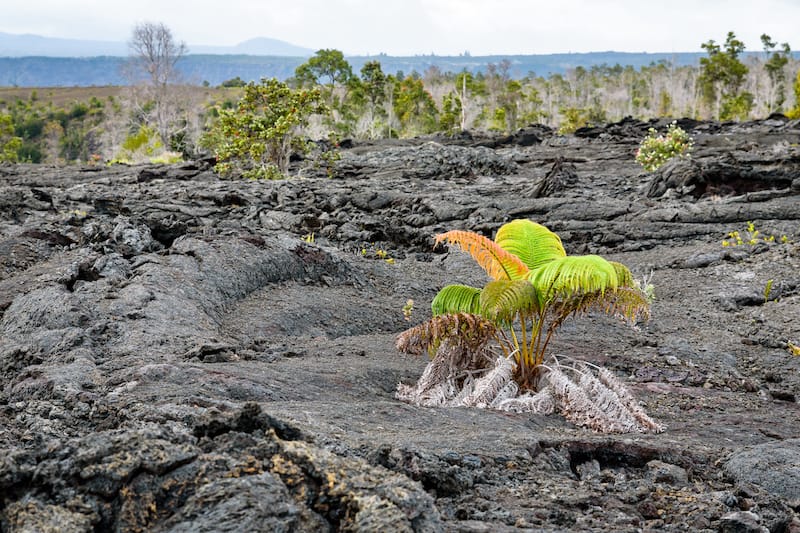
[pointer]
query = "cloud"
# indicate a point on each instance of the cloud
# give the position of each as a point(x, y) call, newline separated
point(420, 26)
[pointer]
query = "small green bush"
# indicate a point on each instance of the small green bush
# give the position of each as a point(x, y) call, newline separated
point(10, 144)
point(144, 140)
point(256, 139)
point(656, 149)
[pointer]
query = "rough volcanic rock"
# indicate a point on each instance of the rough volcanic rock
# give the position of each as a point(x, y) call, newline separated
point(727, 175)
point(184, 353)
point(774, 466)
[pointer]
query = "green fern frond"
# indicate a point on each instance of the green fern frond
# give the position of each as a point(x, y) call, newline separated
point(504, 300)
point(457, 299)
point(624, 275)
point(497, 262)
point(533, 243)
point(575, 274)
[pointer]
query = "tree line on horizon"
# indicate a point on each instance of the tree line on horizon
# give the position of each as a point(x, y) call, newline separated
point(159, 116)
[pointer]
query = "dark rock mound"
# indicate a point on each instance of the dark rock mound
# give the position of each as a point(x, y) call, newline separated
point(775, 467)
point(560, 176)
point(427, 161)
point(727, 175)
point(239, 477)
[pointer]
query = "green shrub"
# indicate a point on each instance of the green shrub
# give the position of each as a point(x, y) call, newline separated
point(656, 149)
point(234, 82)
point(9, 143)
point(142, 146)
point(572, 119)
point(255, 139)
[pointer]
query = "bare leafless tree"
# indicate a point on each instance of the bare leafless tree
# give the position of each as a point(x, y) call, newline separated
point(157, 53)
point(153, 67)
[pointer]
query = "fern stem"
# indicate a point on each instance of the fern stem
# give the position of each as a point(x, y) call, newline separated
point(537, 354)
point(503, 342)
point(540, 355)
point(516, 342)
point(525, 353)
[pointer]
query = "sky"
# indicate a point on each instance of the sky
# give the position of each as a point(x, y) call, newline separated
point(413, 27)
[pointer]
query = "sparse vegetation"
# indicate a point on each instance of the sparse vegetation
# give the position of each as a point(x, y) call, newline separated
point(67, 124)
point(656, 149)
point(372, 251)
point(408, 308)
point(751, 237)
point(793, 349)
point(768, 290)
point(10, 144)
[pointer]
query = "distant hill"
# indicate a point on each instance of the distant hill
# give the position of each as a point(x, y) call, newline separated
point(260, 46)
point(14, 45)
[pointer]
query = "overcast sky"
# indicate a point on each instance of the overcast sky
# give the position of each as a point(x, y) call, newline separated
point(409, 27)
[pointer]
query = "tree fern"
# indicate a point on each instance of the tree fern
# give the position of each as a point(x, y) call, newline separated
point(490, 256)
point(535, 287)
point(624, 275)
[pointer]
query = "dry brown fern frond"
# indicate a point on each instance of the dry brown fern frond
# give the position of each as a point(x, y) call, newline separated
point(452, 362)
point(612, 382)
point(576, 406)
point(541, 403)
point(509, 391)
point(600, 403)
point(606, 399)
point(447, 379)
point(627, 302)
point(487, 387)
point(466, 329)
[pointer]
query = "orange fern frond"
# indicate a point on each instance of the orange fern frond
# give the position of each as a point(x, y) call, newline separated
point(497, 262)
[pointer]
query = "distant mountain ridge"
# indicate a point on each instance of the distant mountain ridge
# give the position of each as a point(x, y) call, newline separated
point(27, 45)
point(22, 45)
point(260, 46)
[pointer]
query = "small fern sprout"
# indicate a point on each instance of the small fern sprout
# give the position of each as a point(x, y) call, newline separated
point(408, 308)
point(645, 284)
